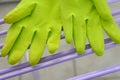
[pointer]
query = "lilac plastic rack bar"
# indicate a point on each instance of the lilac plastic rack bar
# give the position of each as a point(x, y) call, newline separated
point(97, 73)
point(59, 58)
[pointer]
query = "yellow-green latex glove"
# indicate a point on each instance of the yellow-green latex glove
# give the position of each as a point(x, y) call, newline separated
point(35, 23)
point(86, 19)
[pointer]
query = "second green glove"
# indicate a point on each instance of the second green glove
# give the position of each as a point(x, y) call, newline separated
point(84, 19)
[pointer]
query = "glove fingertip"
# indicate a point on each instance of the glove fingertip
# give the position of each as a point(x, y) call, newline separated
point(80, 51)
point(52, 48)
point(33, 63)
point(4, 52)
point(117, 42)
point(14, 56)
point(69, 40)
point(11, 60)
point(116, 38)
point(99, 52)
point(9, 18)
point(33, 60)
point(6, 19)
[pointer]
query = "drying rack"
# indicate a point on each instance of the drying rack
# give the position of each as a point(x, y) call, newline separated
point(59, 58)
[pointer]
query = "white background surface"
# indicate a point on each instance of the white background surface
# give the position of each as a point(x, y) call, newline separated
point(67, 69)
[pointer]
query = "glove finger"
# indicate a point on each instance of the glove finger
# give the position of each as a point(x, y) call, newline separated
point(37, 46)
point(95, 34)
point(20, 46)
point(79, 34)
point(104, 10)
point(12, 35)
point(22, 10)
point(112, 31)
point(68, 28)
point(54, 39)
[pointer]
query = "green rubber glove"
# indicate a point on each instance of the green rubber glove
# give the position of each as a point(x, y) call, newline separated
point(86, 19)
point(35, 23)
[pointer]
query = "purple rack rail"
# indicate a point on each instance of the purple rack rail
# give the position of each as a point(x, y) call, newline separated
point(59, 58)
point(97, 73)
